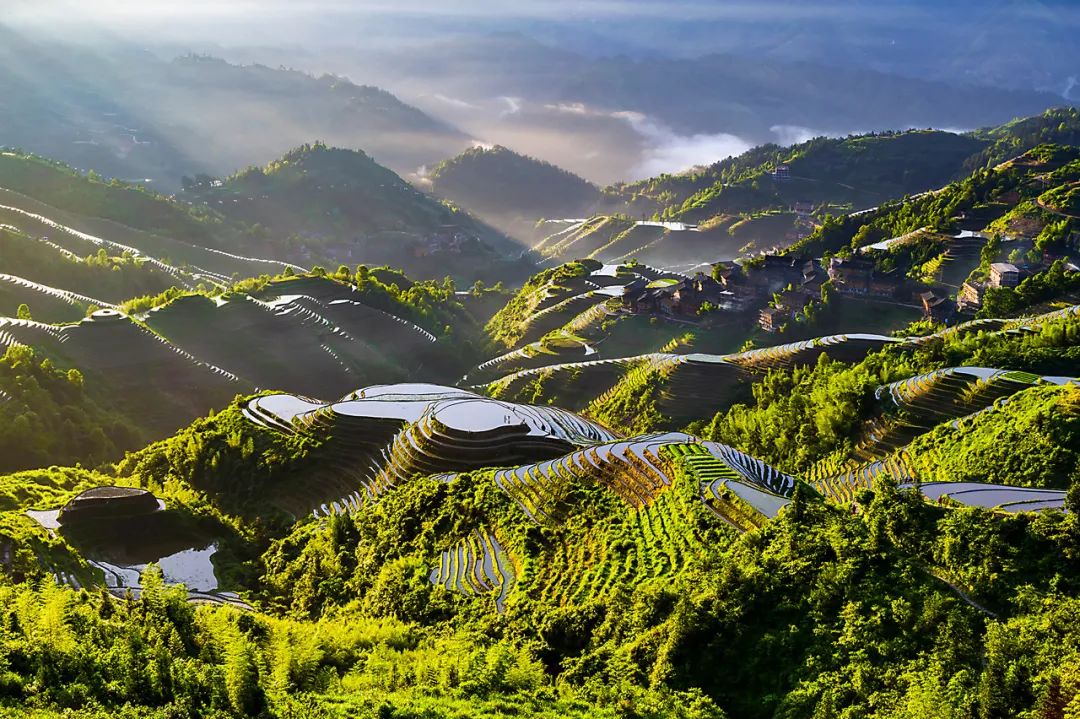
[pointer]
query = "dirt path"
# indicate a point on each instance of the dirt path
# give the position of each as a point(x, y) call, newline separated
point(1052, 211)
point(961, 593)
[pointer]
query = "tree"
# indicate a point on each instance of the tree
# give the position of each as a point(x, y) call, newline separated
point(23, 313)
point(241, 675)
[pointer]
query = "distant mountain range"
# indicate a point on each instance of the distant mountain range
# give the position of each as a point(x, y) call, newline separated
point(611, 117)
point(127, 114)
point(751, 198)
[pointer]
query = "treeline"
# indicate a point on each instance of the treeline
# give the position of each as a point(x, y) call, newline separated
point(799, 417)
point(1058, 125)
point(49, 418)
point(62, 187)
point(110, 278)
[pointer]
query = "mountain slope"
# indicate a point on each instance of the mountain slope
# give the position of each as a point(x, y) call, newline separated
point(507, 189)
point(629, 108)
point(128, 114)
point(771, 196)
point(318, 203)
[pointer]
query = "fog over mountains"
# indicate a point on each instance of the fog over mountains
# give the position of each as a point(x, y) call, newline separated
point(577, 359)
point(610, 90)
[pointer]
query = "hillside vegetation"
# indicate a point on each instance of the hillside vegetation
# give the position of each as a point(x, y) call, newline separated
point(129, 113)
point(318, 203)
point(744, 196)
point(355, 493)
point(50, 417)
point(506, 188)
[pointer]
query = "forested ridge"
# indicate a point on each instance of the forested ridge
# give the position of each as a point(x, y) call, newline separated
point(859, 169)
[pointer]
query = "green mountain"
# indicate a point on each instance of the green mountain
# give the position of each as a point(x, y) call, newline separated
point(315, 206)
point(321, 204)
point(506, 188)
point(771, 196)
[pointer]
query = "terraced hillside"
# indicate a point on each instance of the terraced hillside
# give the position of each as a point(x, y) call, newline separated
point(193, 352)
point(684, 387)
point(148, 380)
point(663, 390)
point(380, 437)
point(62, 285)
point(950, 434)
point(576, 313)
point(440, 505)
point(81, 215)
point(616, 239)
point(314, 334)
point(614, 510)
point(915, 405)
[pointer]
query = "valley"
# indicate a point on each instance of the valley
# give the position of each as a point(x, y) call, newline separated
point(340, 411)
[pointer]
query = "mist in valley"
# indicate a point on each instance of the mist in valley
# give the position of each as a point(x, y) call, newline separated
point(611, 91)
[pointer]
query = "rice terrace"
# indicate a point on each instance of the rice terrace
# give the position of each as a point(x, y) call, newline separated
point(583, 360)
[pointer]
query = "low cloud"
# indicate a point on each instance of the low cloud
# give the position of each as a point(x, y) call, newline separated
point(575, 108)
point(455, 102)
point(667, 151)
point(513, 105)
point(794, 134)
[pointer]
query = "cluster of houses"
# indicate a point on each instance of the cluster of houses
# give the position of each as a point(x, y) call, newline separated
point(1002, 274)
point(778, 288)
point(447, 239)
point(730, 290)
point(859, 277)
point(684, 298)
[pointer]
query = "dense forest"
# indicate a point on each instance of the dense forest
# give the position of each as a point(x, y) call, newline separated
point(497, 182)
point(49, 417)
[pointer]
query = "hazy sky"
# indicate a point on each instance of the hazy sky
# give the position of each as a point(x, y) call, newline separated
point(254, 10)
point(309, 22)
point(346, 36)
point(479, 8)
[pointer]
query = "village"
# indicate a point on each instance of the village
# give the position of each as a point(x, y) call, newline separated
point(776, 290)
